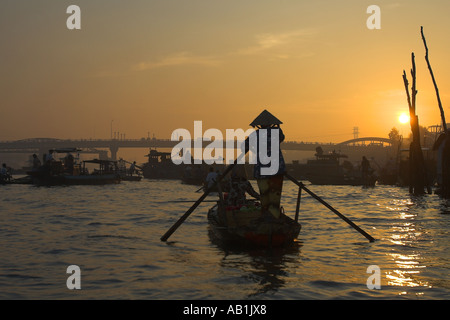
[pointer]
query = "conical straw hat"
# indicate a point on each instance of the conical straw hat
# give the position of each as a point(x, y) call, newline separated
point(265, 119)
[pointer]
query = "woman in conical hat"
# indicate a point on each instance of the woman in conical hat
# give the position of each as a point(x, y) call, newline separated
point(270, 185)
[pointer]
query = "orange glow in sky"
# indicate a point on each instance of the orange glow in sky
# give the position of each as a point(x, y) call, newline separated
point(145, 68)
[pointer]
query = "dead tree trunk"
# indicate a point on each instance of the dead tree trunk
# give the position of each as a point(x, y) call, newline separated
point(417, 170)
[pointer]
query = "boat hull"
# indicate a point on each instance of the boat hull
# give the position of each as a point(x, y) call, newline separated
point(341, 181)
point(92, 179)
point(250, 227)
point(43, 178)
point(131, 178)
point(22, 180)
point(168, 171)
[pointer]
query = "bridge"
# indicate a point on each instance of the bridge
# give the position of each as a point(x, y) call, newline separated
point(42, 145)
point(371, 141)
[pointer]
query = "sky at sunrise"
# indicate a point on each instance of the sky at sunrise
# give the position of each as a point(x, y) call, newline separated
point(148, 67)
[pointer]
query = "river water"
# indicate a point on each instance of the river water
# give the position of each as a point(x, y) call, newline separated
point(113, 234)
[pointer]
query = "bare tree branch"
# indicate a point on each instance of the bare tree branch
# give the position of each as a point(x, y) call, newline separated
point(444, 124)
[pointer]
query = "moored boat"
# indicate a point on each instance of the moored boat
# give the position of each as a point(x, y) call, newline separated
point(194, 174)
point(160, 166)
point(130, 178)
point(131, 174)
point(91, 179)
point(21, 180)
point(326, 169)
point(57, 173)
point(248, 225)
point(107, 173)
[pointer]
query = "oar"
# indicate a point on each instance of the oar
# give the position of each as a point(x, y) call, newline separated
point(196, 204)
point(139, 167)
point(202, 187)
point(183, 201)
point(340, 215)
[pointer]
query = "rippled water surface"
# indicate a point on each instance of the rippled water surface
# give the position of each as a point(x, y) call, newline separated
point(113, 234)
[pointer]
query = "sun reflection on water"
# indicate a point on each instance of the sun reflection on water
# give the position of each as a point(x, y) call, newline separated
point(408, 264)
point(408, 268)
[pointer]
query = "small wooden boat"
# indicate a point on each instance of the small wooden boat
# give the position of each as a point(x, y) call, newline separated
point(248, 225)
point(130, 178)
point(160, 166)
point(131, 174)
point(55, 173)
point(326, 169)
point(21, 180)
point(105, 174)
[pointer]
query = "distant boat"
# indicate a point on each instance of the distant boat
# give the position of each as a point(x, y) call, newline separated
point(21, 180)
point(106, 174)
point(126, 175)
point(194, 174)
point(130, 178)
point(326, 169)
point(160, 166)
point(74, 173)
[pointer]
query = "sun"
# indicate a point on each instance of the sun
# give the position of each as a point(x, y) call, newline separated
point(403, 118)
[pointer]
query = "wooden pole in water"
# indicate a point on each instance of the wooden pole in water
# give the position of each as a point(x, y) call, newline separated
point(340, 215)
point(297, 209)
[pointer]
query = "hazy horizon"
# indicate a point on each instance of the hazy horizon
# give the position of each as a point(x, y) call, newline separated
point(146, 68)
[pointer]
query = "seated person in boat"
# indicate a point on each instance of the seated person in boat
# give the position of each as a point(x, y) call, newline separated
point(237, 188)
point(69, 163)
point(49, 157)
point(210, 178)
point(36, 162)
point(5, 174)
point(132, 168)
